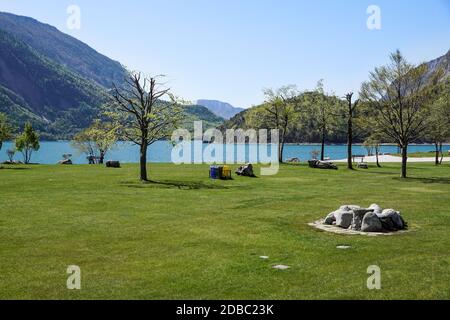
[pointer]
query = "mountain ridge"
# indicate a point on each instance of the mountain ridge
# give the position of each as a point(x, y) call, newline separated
point(59, 93)
point(442, 62)
point(63, 49)
point(35, 88)
point(219, 108)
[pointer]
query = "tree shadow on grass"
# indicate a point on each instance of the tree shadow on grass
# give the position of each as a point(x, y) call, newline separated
point(388, 173)
point(426, 180)
point(168, 184)
point(14, 168)
point(429, 180)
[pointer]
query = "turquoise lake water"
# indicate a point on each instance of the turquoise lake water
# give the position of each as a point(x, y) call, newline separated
point(51, 152)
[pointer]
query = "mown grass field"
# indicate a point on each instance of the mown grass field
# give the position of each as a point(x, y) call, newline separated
point(423, 155)
point(186, 237)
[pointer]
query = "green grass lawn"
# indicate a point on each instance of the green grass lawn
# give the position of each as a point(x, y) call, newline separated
point(431, 154)
point(187, 237)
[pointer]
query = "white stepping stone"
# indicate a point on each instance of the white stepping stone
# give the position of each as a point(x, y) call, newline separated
point(343, 247)
point(264, 257)
point(281, 267)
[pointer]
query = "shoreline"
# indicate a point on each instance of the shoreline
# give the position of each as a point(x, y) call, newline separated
point(393, 159)
point(446, 144)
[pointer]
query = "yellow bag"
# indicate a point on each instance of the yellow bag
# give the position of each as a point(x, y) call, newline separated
point(226, 173)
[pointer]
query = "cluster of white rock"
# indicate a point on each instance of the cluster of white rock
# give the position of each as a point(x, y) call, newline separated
point(372, 219)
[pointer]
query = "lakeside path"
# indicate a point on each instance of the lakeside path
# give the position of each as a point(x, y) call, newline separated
point(393, 159)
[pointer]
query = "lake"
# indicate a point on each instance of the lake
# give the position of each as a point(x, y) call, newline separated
point(51, 152)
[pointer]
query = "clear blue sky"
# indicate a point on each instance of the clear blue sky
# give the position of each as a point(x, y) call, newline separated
point(230, 50)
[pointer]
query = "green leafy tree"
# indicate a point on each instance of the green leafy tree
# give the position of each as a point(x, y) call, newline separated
point(97, 140)
point(11, 153)
point(368, 145)
point(5, 129)
point(438, 129)
point(145, 117)
point(280, 112)
point(324, 111)
point(27, 142)
point(373, 145)
point(399, 92)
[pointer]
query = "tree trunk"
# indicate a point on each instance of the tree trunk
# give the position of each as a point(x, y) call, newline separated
point(143, 161)
point(436, 146)
point(27, 155)
point(404, 160)
point(322, 156)
point(281, 150)
point(349, 143)
point(101, 158)
point(281, 147)
point(442, 152)
point(377, 150)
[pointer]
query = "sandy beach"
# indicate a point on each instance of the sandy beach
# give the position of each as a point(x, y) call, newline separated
point(393, 159)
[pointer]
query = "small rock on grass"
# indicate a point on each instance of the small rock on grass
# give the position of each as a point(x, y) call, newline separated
point(281, 267)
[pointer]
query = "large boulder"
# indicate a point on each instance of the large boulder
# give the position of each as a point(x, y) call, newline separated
point(388, 224)
point(371, 223)
point(349, 207)
point(331, 218)
point(392, 220)
point(372, 219)
point(322, 164)
point(65, 162)
point(376, 208)
point(344, 219)
point(358, 216)
point(246, 171)
point(112, 164)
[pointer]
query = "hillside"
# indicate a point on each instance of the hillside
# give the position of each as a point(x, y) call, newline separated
point(35, 88)
point(441, 63)
point(303, 128)
point(63, 49)
point(219, 108)
point(196, 113)
point(57, 82)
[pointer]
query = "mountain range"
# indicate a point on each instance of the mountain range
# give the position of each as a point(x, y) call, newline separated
point(63, 49)
point(442, 63)
point(57, 82)
point(219, 108)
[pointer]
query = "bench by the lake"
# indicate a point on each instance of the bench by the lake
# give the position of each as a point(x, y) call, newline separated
point(358, 157)
point(93, 160)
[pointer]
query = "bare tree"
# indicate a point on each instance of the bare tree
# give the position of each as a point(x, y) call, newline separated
point(399, 92)
point(350, 115)
point(146, 117)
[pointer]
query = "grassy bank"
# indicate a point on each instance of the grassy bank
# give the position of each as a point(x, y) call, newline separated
point(186, 237)
point(431, 154)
